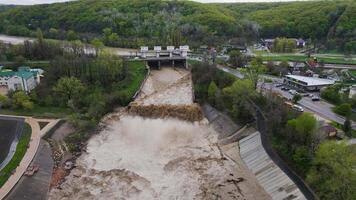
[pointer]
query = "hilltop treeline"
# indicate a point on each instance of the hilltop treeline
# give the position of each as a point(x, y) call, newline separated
point(131, 23)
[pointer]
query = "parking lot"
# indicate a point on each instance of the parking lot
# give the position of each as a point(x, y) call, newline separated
point(10, 131)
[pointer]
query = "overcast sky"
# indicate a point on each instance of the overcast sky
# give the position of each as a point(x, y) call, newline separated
point(30, 2)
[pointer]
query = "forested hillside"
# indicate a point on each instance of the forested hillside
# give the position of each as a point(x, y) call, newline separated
point(5, 7)
point(330, 21)
point(131, 23)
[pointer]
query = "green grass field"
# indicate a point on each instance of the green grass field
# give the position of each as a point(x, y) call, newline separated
point(38, 111)
point(302, 58)
point(19, 154)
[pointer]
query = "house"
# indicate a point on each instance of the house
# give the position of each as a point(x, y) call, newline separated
point(231, 47)
point(329, 131)
point(300, 43)
point(352, 91)
point(24, 79)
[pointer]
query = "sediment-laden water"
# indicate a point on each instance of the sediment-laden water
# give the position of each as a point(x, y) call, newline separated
point(169, 159)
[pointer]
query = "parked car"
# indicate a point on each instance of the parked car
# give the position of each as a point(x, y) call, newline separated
point(293, 92)
point(284, 89)
point(279, 85)
point(298, 108)
point(315, 98)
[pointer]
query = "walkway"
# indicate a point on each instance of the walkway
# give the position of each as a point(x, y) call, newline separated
point(269, 175)
point(37, 186)
point(31, 151)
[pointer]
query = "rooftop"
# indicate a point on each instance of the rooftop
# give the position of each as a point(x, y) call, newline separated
point(23, 72)
point(311, 81)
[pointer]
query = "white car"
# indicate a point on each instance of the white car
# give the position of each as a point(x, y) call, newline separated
point(298, 108)
point(315, 98)
point(293, 92)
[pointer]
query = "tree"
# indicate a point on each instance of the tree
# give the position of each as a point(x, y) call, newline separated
point(109, 37)
point(19, 99)
point(237, 59)
point(239, 97)
point(68, 88)
point(71, 35)
point(254, 71)
point(296, 98)
point(4, 100)
point(98, 45)
point(53, 33)
point(331, 94)
point(305, 127)
point(343, 109)
point(212, 90)
point(347, 127)
point(333, 175)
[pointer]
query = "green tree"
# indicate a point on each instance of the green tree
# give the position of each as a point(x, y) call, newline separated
point(305, 127)
point(343, 109)
point(68, 88)
point(98, 45)
point(296, 98)
point(19, 99)
point(254, 71)
point(212, 91)
point(71, 35)
point(347, 127)
point(237, 59)
point(239, 97)
point(53, 33)
point(333, 175)
point(4, 100)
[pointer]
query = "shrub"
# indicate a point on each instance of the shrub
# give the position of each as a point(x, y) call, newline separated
point(343, 109)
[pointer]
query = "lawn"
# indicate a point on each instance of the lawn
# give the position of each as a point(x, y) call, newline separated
point(303, 58)
point(38, 111)
point(137, 73)
point(19, 154)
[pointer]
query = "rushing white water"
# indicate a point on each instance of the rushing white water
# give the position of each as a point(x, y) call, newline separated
point(140, 158)
point(144, 159)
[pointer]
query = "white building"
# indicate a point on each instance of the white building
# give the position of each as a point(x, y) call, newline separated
point(24, 79)
point(307, 83)
point(352, 91)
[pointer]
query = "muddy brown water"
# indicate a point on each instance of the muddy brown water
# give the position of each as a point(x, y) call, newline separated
point(145, 158)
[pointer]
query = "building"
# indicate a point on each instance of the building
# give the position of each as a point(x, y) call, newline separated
point(352, 91)
point(300, 43)
point(24, 79)
point(171, 56)
point(307, 83)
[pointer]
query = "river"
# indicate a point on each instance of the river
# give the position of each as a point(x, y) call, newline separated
point(162, 158)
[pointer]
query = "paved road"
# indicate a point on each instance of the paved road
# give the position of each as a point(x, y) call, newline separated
point(234, 72)
point(321, 108)
point(35, 187)
point(26, 160)
point(36, 135)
